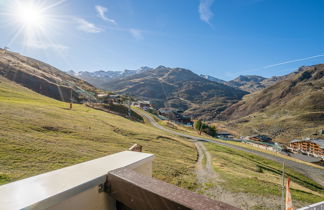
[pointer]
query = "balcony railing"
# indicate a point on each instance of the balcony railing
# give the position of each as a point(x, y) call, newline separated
point(119, 181)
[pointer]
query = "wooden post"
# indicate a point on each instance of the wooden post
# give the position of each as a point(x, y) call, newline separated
point(71, 99)
point(136, 148)
point(283, 187)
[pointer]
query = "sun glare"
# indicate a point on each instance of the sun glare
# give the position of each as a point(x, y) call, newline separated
point(33, 22)
point(29, 15)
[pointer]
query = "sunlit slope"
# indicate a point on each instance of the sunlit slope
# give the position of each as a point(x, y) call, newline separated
point(255, 182)
point(39, 134)
point(292, 108)
point(44, 78)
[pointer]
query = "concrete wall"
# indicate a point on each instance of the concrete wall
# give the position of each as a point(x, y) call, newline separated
point(75, 187)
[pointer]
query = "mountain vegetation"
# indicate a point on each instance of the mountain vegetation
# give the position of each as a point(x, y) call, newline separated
point(205, 128)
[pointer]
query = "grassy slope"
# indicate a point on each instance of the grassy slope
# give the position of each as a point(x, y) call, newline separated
point(248, 173)
point(241, 172)
point(292, 108)
point(39, 134)
point(191, 131)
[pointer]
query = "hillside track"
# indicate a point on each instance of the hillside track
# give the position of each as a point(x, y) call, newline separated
point(314, 173)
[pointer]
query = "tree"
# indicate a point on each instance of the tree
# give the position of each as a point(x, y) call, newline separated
point(210, 130)
point(198, 125)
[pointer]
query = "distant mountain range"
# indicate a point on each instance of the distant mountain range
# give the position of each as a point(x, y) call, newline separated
point(285, 107)
point(248, 83)
point(98, 78)
point(180, 89)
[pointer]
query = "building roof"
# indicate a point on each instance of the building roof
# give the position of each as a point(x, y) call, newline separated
point(320, 142)
point(262, 137)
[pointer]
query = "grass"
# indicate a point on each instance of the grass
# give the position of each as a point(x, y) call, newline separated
point(272, 153)
point(39, 134)
point(193, 132)
point(247, 173)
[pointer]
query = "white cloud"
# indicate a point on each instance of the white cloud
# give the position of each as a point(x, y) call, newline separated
point(101, 12)
point(205, 10)
point(87, 26)
point(44, 45)
point(137, 34)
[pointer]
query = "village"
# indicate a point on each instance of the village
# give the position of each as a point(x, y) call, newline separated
point(306, 149)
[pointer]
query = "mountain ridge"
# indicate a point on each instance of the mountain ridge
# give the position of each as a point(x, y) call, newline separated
point(178, 88)
point(291, 108)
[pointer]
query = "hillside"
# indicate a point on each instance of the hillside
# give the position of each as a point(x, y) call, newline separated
point(39, 134)
point(291, 108)
point(43, 78)
point(180, 89)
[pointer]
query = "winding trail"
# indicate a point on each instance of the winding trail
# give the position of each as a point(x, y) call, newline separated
point(205, 173)
point(314, 173)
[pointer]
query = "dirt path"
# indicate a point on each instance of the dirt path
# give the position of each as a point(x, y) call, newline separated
point(205, 173)
point(210, 185)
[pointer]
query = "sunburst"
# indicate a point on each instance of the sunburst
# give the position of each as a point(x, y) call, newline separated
point(32, 20)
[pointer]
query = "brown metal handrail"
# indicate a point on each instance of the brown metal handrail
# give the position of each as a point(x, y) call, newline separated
point(135, 191)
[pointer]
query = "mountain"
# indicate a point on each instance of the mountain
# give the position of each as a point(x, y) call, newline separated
point(211, 78)
point(291, 108)
point(43, 78)
point(253, 83)
point(249, 83)
point(180, 89)
point(98, 78)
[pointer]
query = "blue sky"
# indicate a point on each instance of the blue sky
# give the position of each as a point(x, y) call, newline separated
point(222, 38)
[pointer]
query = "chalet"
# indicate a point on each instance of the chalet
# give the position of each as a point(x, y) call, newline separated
point(314, 147)
point(142, 104)
point(261, 138)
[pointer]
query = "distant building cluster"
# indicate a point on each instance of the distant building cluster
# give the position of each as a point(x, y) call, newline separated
point(109, 98)
point(311, 147)
point(145, 105)
point(258, 137)
point(176, 116)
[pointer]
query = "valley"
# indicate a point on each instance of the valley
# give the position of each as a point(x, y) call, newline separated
point(41, 134)
point(161, 105)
